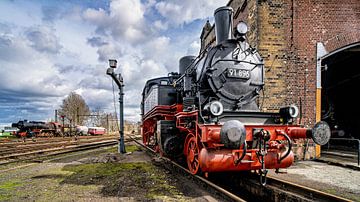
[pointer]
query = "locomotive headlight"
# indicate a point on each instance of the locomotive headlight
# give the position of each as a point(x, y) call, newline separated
point(289, 112)
point(216, 108)
point(293, 111)
point(242, 28)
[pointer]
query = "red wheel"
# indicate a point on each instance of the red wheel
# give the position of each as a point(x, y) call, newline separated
point(192, 157)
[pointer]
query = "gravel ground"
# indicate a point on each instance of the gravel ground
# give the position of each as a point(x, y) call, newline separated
point(98, 176)
point(332, 179)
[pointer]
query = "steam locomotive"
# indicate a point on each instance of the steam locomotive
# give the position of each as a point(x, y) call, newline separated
point(208, 112)
point(37, 128)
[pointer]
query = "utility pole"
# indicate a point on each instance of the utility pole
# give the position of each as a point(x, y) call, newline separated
point(107, 123)
point(56, 115)
point(120, 83)
point(78, 116)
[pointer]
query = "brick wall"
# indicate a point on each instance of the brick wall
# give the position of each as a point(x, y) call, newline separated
point(336, 24)
point(285, 32)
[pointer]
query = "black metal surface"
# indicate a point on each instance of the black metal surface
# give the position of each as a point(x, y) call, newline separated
point(223, 23)
point(29, 126)
point(185, 62)
point(237, 92)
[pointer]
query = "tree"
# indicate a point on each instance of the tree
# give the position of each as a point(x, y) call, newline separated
point(74, 105)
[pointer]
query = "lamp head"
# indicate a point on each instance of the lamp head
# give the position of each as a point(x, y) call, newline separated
point(112, 63)
point(110, 71)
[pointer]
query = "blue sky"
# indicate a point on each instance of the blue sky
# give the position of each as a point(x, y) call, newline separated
point(51, 48)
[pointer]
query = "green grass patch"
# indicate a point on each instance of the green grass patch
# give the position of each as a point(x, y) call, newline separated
point(129, 148)
point(9, 185)
point(6, 187)
point(137, 180)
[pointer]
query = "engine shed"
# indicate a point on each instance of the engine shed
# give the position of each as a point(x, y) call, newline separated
point(311, 54)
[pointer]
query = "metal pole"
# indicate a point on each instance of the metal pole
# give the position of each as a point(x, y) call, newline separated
point(78, 116)
point(121, 100)
point(358, 152)
point(56, 114)
point(119, 82)
point(107, 123)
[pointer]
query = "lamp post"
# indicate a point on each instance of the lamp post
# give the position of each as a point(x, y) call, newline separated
point(119, 82)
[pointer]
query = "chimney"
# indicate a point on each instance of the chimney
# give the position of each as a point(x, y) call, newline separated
point(223, 23)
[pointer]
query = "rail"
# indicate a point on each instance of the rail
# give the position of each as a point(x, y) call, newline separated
point(54, 151)
point(247, 182)
point(197, 177)
point(347, 139)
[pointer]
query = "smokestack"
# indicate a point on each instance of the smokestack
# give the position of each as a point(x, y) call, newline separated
point(223, 23)
point(184, 62)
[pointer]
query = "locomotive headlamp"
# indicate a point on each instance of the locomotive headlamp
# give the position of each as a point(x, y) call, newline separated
point(216, 108)
point(321, 133)
point(289, 112)
point(242, 28)
point(112, 63)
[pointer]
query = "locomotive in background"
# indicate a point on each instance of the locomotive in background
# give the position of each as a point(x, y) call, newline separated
point(208, 112)
point(37, 128)
point(53, 129)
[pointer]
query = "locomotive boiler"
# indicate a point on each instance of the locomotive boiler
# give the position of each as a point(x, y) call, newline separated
point(208, 113)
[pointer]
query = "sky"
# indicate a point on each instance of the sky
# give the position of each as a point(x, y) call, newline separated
point(51, 48)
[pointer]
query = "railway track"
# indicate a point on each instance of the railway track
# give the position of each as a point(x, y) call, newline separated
point(197, 178)
point(50, 149)
point(243, 185)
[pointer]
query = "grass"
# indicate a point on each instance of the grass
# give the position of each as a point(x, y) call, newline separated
point(124, 180)
point(128, 148)
point(6, 187)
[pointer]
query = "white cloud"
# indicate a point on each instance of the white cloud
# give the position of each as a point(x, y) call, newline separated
point(186, 11)
point(124, 21)
point(43, 39)
point(158, 24)
point(194, 48)
point(146, 37)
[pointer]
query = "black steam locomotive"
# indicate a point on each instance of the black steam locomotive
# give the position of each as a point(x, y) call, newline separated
point(37, 128)
point(208, 113)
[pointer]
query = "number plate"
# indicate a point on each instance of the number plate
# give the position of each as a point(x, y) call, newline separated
point(238, 73)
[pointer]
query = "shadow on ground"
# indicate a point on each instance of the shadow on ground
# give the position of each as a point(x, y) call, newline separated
point(139, 180)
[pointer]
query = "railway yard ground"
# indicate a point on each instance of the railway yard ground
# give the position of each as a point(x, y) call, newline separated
point(101, 174)
point(97, 175)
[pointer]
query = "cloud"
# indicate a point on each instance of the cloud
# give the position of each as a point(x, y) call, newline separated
point(43, 39)
point(96, 41)
point(194, 48)
point(124, 21)
point(50, 13)
point(66, 47)
point(186, 11)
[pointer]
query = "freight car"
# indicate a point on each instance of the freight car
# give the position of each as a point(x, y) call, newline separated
point(208, 113)
point(37, 128)
point(96, 131)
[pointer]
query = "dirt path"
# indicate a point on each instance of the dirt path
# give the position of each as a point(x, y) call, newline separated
point(87, 177)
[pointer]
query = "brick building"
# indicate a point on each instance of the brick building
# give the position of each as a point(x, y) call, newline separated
point(311, 50)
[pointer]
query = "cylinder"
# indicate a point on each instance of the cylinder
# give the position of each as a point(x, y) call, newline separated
point(223, 23)
point(185, 62)
point(223, 160)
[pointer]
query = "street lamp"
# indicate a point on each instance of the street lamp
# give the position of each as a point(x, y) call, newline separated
point(119, 82)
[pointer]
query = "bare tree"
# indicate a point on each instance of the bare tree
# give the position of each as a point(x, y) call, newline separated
point(74, 107)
